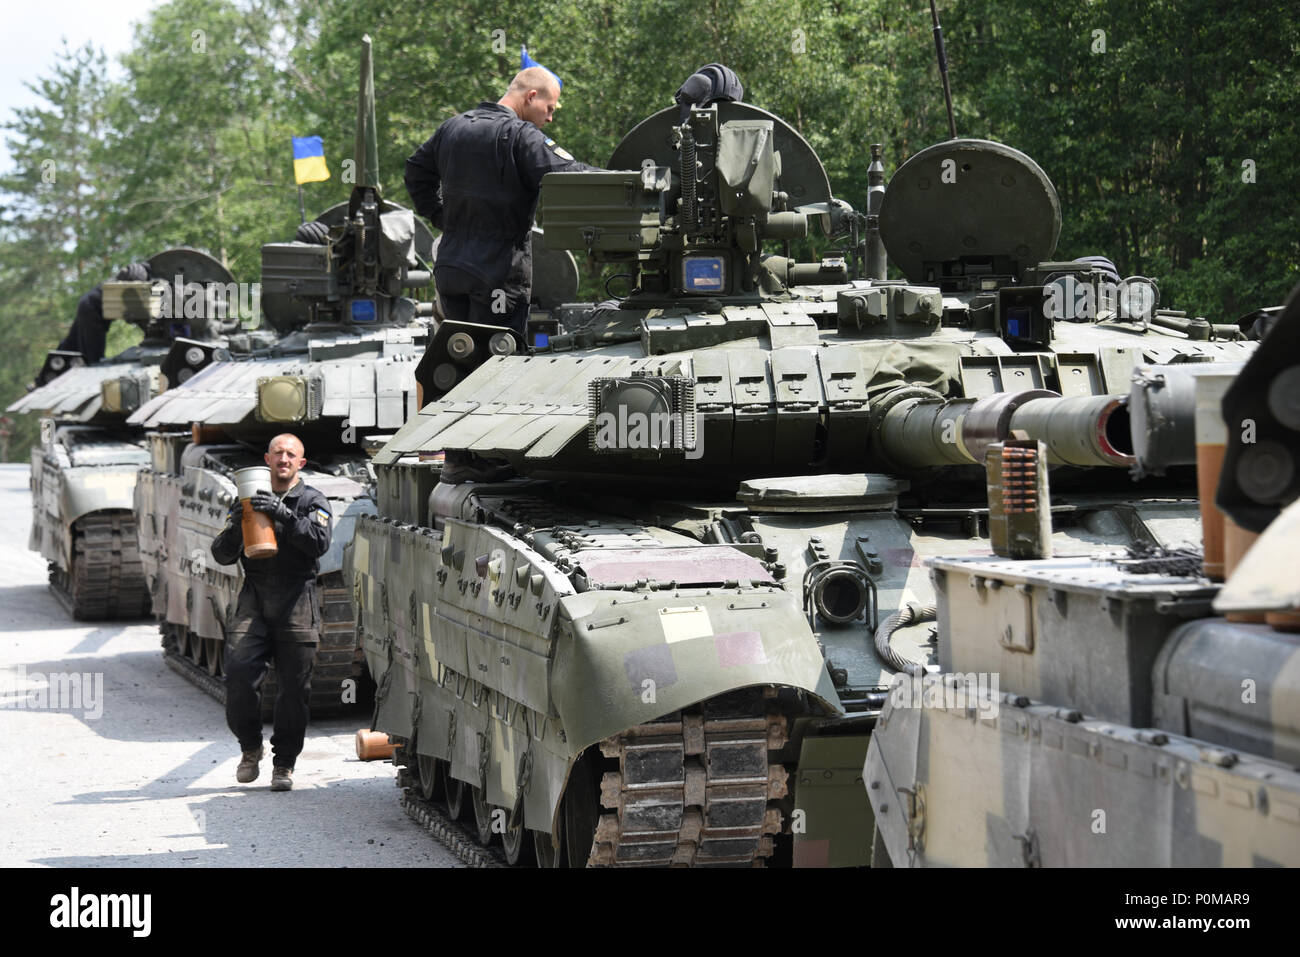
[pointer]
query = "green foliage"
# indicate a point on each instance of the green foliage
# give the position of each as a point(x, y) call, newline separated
point(53, 235)
point(1144, 138)
point(1143, 114)
point(206, 118)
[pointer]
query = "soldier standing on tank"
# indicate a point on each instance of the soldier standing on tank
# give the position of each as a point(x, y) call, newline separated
point(89, 332)
point(478, 179)
point(277, 616)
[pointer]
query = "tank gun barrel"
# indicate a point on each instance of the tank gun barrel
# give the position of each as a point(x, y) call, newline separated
point(917, 428)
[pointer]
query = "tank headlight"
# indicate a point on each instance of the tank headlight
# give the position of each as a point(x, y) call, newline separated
point(126, 393)
point(1138, 298)
point(110, 393)
point(289, 398)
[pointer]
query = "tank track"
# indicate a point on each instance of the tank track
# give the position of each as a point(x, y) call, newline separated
point(457, 836)
point(195, 675)
point(337, 659)
point(106, 580)
point(692, 791)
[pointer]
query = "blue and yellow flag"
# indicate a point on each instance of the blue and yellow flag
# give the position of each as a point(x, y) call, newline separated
point(309, 160)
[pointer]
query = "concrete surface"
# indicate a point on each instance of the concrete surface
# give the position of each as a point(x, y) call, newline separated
point(150, 780)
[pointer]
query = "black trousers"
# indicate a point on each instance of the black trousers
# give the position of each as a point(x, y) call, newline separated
point(465, 299)
point(252, 649)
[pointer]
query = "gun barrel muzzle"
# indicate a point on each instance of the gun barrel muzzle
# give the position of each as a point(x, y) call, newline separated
point(925, 431)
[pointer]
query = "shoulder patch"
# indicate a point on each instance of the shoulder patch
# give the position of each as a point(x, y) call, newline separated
point(558, 150)
point(322, 516)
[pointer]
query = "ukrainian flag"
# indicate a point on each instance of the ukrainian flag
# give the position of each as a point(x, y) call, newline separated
point(309, 160)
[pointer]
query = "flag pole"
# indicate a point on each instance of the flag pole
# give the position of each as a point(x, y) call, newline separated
point(302, 208)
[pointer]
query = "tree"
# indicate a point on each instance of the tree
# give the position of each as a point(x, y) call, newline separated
point(54, 244)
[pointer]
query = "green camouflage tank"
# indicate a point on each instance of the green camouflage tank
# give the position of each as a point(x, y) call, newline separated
point(652, 611)
point(1112, 709)
point(84, 470)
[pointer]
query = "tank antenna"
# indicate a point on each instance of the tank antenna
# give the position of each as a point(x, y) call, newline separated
point(943, 69)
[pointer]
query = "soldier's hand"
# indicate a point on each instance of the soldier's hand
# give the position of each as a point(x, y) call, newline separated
point(273, 506)
point(236, 513)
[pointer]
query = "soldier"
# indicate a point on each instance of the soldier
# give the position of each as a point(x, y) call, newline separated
point(477, 179)
point(278, 614)
point(89, 331)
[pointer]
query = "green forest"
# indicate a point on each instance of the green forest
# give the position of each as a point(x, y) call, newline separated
point(1169, 128)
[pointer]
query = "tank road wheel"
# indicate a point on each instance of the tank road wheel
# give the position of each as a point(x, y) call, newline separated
point(457, 796)
point(581, 810)
point(171, 638)
point(430, 777)
point(518, 843)
point(482, 814)
point(191, 646)
point(549, 853)
point(212, 656)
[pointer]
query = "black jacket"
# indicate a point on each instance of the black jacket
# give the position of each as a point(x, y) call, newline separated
point(278, 580)
point(477, 179)
point(89, 331)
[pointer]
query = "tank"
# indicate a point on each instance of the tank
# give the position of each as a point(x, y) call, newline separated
point(1139, 713)
point(658, 624)
point(335, 365)
point(84, 471)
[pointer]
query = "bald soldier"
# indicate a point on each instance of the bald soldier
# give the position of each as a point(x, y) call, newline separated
point(278, 614)
point(477, 179)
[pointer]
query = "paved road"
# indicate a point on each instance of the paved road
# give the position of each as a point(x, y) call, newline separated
point(140, 772)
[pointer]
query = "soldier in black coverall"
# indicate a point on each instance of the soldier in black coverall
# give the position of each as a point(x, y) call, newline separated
point(89, 332)
point(478, 179)
point(278, 614)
